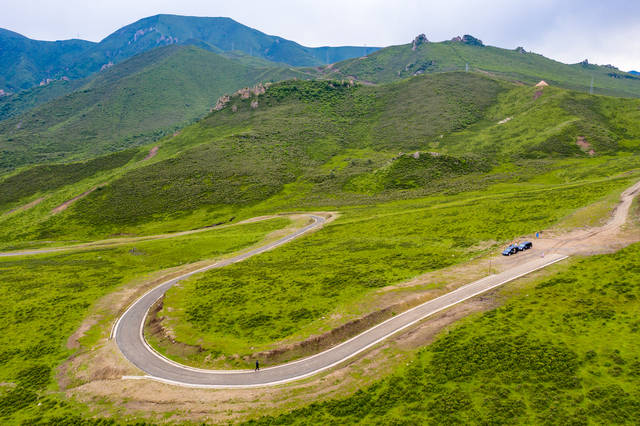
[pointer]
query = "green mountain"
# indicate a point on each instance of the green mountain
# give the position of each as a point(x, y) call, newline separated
point(25, 63)
point(426, 172)
point(129, 104)
point(396, 62)
point(343, 144)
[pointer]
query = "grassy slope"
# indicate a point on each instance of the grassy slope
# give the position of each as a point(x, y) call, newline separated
point(302, 148)
point(396, 62)
point(36, 324)
point(13, 105)
point(299, 289)
point(565, 352)
point(129, 104)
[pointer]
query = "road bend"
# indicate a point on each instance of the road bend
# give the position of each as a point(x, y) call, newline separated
point(129, 337)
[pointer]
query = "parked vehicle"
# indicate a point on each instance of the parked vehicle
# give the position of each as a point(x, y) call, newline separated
point(525, 246)
point(512, 249)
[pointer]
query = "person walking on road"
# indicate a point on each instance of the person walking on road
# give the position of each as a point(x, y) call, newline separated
point(257, 365)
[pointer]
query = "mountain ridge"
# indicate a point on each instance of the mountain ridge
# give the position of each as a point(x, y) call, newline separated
point(44, 61)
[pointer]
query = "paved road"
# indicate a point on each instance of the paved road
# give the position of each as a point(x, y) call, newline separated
point(128, 331)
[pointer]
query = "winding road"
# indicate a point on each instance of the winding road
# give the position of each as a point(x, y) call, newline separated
point(128, 331)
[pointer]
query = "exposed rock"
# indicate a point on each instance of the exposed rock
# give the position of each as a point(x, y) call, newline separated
point(416, 155)
point(520, 49)
point(471, 40)
point(542, 83)
point(258, 89)
point(234, 108)
point(457, 39)
point(420, 39)
point(222, 102)
point(106, 66)
point(254, 104)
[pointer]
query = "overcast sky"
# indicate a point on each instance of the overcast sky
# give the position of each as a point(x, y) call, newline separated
point(604, 32)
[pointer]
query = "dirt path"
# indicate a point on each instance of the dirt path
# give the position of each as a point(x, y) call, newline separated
point(152, 153)
point(112, 242)
point(67, 203)
point(26, 206)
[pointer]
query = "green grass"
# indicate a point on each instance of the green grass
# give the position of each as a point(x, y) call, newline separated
point(396, 62)
point(43, 300)
point(45, 178)
point(564, 351)
point(297, 290)
point(133, 103)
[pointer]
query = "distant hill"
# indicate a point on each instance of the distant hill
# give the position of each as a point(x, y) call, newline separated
point(25, 63)
point(634, 72)
point(518, 65)
point(129, 104)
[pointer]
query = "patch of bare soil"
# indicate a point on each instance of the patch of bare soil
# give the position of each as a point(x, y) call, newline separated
point(152, 153)
point(102, 389)
point(584, 145)
point(67, 203)
point(166, 403)
point(26, 206)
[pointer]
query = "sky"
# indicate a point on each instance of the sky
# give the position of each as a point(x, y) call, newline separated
point(604, 32)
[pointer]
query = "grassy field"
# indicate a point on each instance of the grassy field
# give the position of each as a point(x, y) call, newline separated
point(563, 350)
point(43, 300)
point(302, 288)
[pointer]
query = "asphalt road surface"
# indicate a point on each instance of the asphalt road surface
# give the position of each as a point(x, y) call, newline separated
point(128, 331)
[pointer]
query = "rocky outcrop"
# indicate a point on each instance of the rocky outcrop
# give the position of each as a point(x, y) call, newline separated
point(222, 102)
point(420, 39)
point(471, 40)
point(520, 49)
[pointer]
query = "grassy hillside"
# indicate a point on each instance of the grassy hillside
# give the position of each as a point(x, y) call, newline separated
point(24, 63)
point(14, 104)
point(421, 170)
point(129, 104)
point(564, 351)
point(402, 61)
point(314, 144)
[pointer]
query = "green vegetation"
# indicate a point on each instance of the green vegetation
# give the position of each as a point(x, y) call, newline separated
point(395, 62)
point(133, 103)
point(564, 351)
point(43, 178)
point(14, 104)
point(295, 291)
point(44, 299)
point(25, 62)
point(253, 153)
